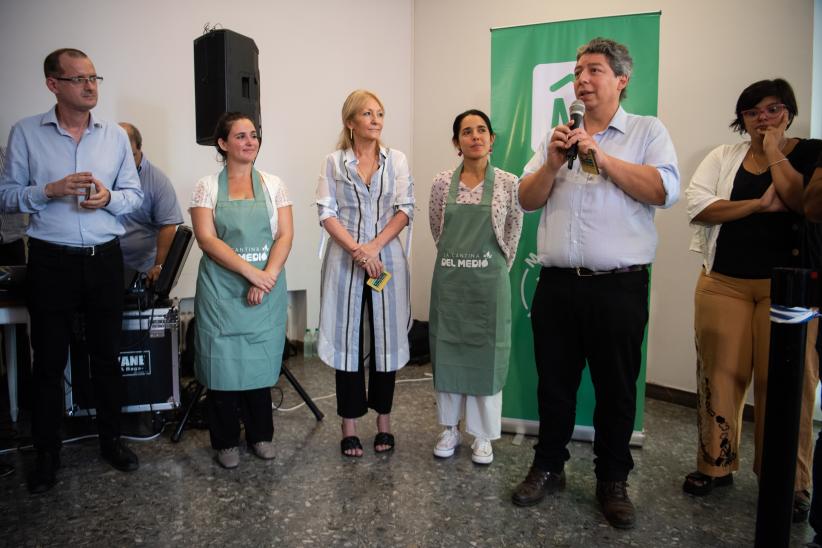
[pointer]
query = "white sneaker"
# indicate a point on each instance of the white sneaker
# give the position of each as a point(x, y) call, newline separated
point(482, 452)
point(447, 442)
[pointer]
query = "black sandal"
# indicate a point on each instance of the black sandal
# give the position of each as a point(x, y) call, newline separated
point(350, 443)
point(801, 505)
point(699, 484)
point(384, 438)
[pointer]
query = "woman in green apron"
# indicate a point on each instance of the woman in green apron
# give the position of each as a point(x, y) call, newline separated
point(242, 222)
point(476, 223)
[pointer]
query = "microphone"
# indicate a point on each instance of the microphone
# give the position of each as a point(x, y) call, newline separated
point(576, 111)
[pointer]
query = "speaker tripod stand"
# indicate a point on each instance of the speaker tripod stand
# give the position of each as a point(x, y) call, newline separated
point(178, 432)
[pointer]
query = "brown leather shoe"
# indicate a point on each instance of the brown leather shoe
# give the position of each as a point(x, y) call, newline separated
point(801, 506)
point(617, 507)
point(536, 485)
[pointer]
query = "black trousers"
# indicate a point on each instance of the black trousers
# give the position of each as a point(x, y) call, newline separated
point(227, 408)
point(600, 319)
point(58, 286)
point(13, 253)
point(352, 400)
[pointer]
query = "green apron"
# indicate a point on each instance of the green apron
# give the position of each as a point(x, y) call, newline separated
point(239, 346)
point(470, 314)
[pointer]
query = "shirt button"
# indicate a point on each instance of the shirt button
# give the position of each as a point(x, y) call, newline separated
point(795, 252)
point(795, 226)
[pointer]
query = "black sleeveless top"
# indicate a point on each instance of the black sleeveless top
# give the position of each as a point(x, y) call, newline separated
point(750, 247)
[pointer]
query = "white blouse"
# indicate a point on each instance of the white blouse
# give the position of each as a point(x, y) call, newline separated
point(205, 195)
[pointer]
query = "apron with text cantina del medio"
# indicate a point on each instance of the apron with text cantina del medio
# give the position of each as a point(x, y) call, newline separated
point(470, 315)
point(239, 346)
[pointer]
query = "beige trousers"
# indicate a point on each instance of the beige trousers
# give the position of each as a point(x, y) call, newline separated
point(732, 334)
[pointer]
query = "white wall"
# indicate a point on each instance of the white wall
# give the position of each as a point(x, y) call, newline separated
point(312, 54)
point(709, 51)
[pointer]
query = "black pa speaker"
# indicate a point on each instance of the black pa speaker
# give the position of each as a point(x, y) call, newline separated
point(226, 79)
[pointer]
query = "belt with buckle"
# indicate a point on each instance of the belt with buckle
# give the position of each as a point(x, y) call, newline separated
point(86, 251)
point(581, 271)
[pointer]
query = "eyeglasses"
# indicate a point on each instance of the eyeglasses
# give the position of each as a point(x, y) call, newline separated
point(77, 80)
point(770, 111)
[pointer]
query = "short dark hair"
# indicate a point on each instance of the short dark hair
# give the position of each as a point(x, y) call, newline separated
point(223, 128)
point(51, 65)
point(617, 54)
point(757, 91)
point(133, 134)
point(471, 112)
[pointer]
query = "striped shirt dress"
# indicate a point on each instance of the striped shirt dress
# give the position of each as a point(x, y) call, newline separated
point(364, 210)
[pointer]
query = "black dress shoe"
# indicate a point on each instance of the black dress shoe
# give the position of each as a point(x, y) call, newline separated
point(801, 506)
point(118, 455)
point(536, 485)
point(43, 476)
point(617, 507)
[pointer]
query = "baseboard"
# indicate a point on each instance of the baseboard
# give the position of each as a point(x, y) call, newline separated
point(685, 398)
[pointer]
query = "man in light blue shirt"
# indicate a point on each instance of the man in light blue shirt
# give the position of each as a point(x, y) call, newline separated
point(596, 239)
point(150, 228)
point(12, 230)
point(74, 175)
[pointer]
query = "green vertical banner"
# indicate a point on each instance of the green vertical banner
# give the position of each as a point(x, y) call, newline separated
point(532, 75)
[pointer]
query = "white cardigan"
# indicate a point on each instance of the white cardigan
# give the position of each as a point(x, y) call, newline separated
point(712, 181)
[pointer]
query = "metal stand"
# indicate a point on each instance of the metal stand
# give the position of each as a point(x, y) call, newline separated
point(786, 367)
point(178, 432)
point(301, 391)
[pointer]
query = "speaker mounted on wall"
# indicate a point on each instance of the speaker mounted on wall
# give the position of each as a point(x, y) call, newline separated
point(226, 79)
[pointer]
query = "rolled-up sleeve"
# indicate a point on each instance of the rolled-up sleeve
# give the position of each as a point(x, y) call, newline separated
point(539, 156)
point(436, 204)
point(126, 192)
point(513, 224)
point(403, 186)
point(702, 191)
point(325, 195)
point(165, 208)
point(536, 161)
point(660, 153)
point(17, 194)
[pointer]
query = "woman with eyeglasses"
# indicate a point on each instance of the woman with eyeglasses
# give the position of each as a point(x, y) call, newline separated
point(745, 204)
point(242, 221)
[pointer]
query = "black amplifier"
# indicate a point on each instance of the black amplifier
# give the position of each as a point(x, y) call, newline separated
point(149, 358)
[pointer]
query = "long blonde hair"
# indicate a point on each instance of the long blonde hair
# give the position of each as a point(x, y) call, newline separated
point(352, 105)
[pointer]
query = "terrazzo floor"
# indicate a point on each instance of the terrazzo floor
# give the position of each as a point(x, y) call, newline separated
point(312, 496)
